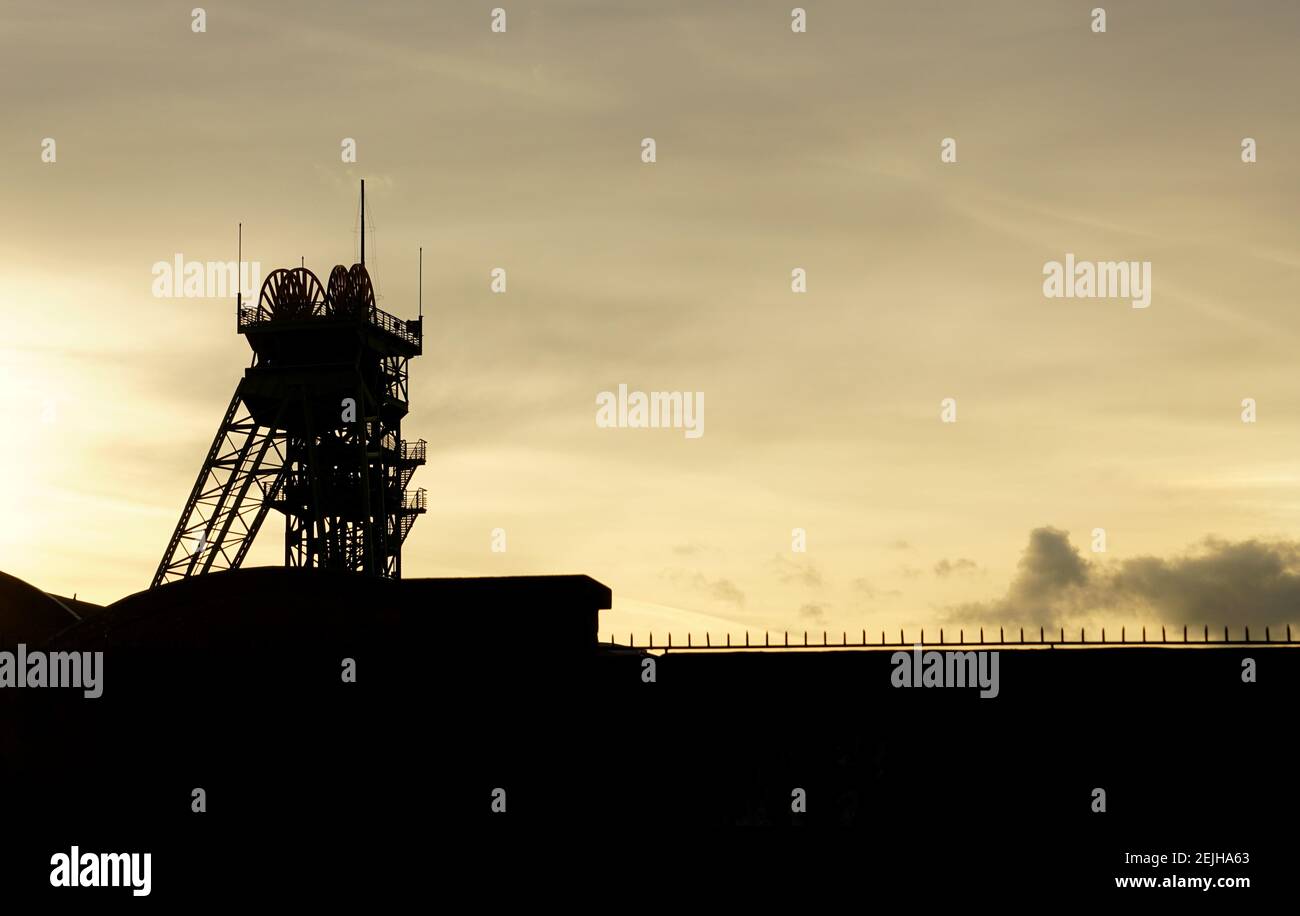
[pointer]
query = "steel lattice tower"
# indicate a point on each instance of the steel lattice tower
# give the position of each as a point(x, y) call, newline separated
point(313, 431)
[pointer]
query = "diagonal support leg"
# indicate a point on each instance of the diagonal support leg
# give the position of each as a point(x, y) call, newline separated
point(215, 529)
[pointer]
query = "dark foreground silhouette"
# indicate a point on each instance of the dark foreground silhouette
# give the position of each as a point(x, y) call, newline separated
point(232, 682)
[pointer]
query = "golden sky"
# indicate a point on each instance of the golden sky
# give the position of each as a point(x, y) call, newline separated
point(775, 150)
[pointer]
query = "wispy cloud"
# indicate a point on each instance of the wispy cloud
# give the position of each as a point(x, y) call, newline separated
point(802, 571)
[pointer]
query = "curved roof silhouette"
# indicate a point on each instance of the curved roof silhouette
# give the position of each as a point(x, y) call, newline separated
point(29, 615)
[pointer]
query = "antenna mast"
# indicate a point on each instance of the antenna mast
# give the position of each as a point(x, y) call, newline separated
point(422, 283)
point(363, 222)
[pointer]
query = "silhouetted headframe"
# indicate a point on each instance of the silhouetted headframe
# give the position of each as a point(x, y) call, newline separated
point(313, 431)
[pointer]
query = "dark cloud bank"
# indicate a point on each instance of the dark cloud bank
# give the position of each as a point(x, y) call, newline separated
point(1216, 583)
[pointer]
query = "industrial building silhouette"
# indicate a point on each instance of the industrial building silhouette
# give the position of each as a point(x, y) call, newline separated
point(466, 687)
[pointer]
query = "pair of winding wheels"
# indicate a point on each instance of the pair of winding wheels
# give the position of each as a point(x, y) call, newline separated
point(296, 293)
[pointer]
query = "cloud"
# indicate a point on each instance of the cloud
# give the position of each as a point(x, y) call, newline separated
point(724, 590)
point(718, 589)
point(871, 593)
point(899, 545)
point(945, 567)
point(1251, 582)
point(804, 572)
point(1216, 582)
point(815, 611)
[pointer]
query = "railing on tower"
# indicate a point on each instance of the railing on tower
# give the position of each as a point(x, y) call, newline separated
point(408, 331)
